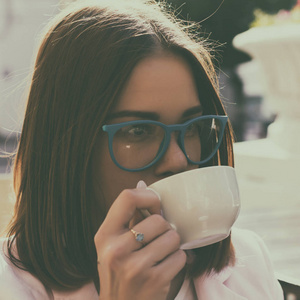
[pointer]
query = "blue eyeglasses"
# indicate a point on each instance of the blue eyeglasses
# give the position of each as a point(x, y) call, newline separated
point(138, 145)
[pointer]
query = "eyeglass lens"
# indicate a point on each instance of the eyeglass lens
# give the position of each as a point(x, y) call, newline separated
point(136, 146)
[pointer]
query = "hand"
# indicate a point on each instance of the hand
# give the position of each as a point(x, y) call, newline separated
point(127, 270)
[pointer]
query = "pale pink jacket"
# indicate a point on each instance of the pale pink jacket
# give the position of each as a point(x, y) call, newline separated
point(252, 278)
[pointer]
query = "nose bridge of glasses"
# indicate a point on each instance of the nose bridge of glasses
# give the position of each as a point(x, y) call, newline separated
point(175, 132)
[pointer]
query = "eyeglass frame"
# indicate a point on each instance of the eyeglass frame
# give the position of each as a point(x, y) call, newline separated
point(111, 129)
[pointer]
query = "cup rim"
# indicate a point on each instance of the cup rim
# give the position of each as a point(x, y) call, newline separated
point(191, 171)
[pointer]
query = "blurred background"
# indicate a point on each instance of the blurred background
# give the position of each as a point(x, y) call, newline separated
point(258, 61)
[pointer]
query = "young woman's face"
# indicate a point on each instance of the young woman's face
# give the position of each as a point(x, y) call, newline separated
point(161, 88)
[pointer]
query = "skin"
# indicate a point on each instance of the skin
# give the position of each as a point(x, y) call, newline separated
point(162, 85)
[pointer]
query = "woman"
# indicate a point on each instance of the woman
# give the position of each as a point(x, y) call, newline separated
point(76, 232)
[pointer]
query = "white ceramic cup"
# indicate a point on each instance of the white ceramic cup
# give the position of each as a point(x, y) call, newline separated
point(201, 204)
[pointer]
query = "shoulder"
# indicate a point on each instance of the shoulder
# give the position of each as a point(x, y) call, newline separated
point(6, 269)
point(252, 277)
point(250, 247)
point(17, 284)
point(245, 241)
point(9, 283)
point(254, 268)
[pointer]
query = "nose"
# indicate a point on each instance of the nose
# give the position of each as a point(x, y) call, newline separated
point(174, 160)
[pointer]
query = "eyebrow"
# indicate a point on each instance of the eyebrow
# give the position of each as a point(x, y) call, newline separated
point(151, 115)
point(134, 113)
point(192, 111)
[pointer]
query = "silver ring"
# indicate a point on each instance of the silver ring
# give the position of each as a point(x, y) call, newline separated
point(139, 237)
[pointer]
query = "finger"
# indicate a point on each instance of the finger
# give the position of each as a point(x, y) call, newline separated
point(140, 214)
point(137, 218)
point(171, 266)
point(160, 248)
point(125, 206)
point(151, 228)
point(142, 185)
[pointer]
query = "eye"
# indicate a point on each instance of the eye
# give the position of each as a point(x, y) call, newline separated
point(194, 129)
point(139, 130)
point(137, 133)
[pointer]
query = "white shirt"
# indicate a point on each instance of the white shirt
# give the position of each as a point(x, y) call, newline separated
point(252, 278)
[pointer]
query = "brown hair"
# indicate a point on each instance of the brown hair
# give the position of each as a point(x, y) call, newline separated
point(82, 65)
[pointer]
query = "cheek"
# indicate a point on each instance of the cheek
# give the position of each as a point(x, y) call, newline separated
point(108, 179)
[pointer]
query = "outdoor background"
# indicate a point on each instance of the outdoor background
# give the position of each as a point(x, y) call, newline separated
point(267, 165)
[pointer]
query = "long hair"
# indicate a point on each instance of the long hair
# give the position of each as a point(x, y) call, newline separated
point(83, 63)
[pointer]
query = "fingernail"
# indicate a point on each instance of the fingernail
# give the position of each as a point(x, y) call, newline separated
point(141, 185)
point(173, 226)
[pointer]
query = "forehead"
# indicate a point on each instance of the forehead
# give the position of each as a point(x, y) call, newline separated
point(163, 84)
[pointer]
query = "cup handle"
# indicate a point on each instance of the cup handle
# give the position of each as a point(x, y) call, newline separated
point(155, 192)
point(145, 212)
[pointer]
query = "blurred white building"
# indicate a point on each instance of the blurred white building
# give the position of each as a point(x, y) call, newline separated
point(20, 23)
